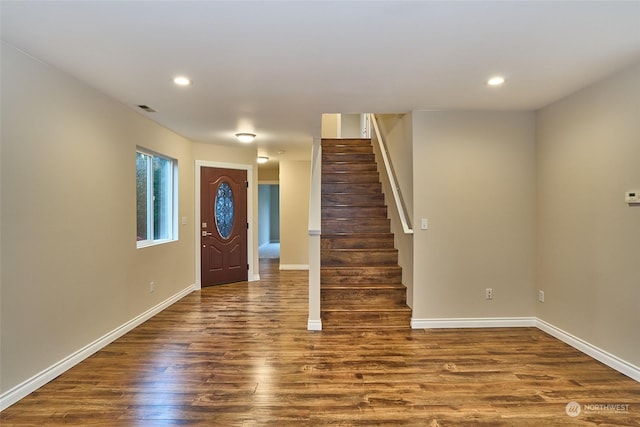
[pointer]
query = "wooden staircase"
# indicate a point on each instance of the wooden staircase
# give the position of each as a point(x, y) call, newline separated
point(361, 281)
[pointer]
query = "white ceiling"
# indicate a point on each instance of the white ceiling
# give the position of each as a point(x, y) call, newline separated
point(275, 67)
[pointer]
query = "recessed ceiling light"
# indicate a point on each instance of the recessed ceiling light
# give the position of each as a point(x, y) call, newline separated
point(263, 159)
point(496, 81)
point(245, 137)
point(182, 81)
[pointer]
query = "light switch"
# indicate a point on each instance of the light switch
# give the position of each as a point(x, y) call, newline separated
point(632, 197)
point(424, 224)
point(184, 220)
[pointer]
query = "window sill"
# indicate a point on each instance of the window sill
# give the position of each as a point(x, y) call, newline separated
point(148, 243)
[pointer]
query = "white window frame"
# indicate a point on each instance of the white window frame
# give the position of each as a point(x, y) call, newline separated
point(173, 213)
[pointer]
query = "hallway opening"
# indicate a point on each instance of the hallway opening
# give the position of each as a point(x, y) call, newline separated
point(269, 221)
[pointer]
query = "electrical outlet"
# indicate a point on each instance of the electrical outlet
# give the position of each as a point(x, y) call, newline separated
point(152, 287)
point(488, 293)
point(541, 296)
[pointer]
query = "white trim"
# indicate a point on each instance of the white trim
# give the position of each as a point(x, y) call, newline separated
point(294, 266)
point(314, 325)
point(608, 359)
point(470, 322)
point(315, 232)
point(25, 388)
point(249, 168)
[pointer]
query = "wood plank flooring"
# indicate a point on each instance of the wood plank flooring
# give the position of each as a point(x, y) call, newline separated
point(240, 355)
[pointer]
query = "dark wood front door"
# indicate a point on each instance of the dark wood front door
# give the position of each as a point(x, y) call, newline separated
point(223, 204)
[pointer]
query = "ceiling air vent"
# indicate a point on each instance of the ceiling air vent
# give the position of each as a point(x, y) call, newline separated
point(147, 108)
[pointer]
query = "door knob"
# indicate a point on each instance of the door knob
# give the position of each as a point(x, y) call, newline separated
point(205, 234)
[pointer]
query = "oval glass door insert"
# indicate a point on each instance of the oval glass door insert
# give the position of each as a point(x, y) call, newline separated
point(223, 210)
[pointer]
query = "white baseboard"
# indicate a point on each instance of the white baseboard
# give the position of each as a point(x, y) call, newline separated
point(608, 359)
point(488, 322)
point(16, 393)
point(314, 325)
point(254, 278)
point(294, 266)
point(614, 362)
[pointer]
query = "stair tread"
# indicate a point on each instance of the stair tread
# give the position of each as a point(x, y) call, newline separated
point(351, 166)
point(364, 235)
point(346, 194)
point(368, 140)
point(363, 206)
point(360, 220)
point(362, 286)
point(353, 205)
point(385, 267)
point(346, 306)
point(363, 249)
point(348, 172)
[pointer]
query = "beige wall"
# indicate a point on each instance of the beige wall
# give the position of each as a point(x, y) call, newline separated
point(269, 173)
point(70, 268)
point(396, 131)
point(243, 154)
point(295, 178)
point(350, 126)
point(330, 126)
point(588, 253)
point(474, 182)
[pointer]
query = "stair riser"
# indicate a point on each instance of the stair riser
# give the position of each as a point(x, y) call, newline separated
point(365, 225)
point(351, 178)
point(355, 212)
point(372, 199)
point(325, 142)
point(362, 320)
point(357, 242)
point(348, 167)
point(368, 188)
point(350, 257)
point(333, 298)
point(349, 157)
point(360, 275)
point(332, 149)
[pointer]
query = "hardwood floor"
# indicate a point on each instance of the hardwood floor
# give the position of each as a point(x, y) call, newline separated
point(240, 355)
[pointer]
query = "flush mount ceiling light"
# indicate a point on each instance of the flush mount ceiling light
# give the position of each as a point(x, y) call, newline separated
point(182, 81)
point(496, 81)
point(263, 159)
point(245, 137)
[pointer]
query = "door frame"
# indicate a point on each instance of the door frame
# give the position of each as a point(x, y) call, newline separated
point(197, 229)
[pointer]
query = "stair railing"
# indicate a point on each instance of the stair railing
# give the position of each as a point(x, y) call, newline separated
point(314, 322)
point(388, 168)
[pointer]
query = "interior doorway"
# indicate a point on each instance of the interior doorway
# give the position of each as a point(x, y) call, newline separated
point(269, 221)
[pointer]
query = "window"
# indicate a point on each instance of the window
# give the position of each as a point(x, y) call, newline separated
point(156, 198)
